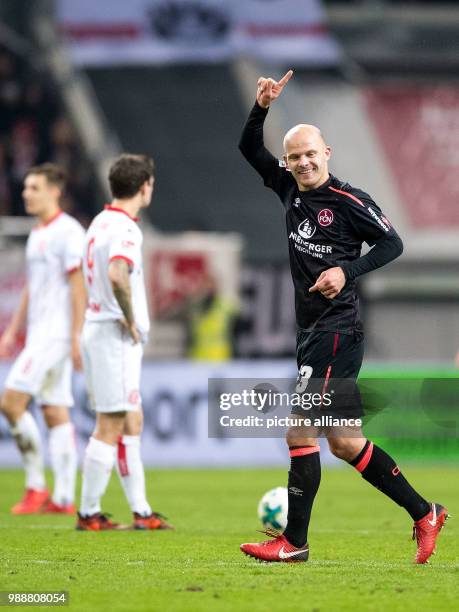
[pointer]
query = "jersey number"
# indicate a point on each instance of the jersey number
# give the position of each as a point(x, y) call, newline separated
point(304, 375)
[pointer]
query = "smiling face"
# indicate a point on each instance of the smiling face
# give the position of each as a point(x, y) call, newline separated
point(306, 156)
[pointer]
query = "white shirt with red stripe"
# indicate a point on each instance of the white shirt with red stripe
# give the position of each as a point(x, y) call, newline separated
point(54, 249)
point(114, 234)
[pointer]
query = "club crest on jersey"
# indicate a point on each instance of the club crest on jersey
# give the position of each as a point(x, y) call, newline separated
point(296, 202)
point(325, 217)
point(306, 229)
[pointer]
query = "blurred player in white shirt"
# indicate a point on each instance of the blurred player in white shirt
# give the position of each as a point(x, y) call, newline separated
point(116, 326)
point(52, 303)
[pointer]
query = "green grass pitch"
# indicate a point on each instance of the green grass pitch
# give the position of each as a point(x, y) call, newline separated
point(361, 552)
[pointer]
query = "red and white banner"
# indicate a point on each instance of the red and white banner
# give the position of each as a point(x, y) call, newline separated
point(286, 31)
point(110, 32)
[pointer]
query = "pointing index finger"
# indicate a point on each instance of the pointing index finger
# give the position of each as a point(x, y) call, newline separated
point(286, 78)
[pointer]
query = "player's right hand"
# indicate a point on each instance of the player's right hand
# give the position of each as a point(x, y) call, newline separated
point(132, 330)
point(269, 89)
point(7, 343)
point(329, 283)
point(77, 360)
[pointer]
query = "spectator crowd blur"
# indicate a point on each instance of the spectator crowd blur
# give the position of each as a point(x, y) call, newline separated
point(34, 129)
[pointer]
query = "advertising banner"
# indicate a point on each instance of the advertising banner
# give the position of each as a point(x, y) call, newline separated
point(175, 400)
point(228, 414)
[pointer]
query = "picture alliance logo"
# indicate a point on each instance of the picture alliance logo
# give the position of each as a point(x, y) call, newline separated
point(325, 217)
point(306, 229)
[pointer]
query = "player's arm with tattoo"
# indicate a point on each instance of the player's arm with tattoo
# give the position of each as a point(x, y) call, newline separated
point(118, 273)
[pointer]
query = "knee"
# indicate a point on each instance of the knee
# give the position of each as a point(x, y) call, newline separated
point(11, 408)
point(133, 424)
point(343, 448)
point(55, 415)
point(296, 436)
point(6, 406)
point(109, 427)
point(3, 405)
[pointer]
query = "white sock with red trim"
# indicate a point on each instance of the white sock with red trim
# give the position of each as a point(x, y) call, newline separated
point(64, 461)
point(28, 440)
point(97, 468)
point(132, 475)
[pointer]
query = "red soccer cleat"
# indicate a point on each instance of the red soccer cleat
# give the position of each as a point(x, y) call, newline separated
point(276, 550)
point(426, 531)
point(51, 507)
point(97, 522)
point(154, 521)
point(31, 503)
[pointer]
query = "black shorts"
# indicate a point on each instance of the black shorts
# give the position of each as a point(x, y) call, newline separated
point(329, 364)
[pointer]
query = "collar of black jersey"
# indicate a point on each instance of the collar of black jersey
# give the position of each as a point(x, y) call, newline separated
point(323, 187)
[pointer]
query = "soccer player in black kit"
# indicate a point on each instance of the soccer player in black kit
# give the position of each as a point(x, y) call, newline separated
point(327, 222)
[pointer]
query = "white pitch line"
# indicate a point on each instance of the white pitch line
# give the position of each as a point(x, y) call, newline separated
point(135, 563)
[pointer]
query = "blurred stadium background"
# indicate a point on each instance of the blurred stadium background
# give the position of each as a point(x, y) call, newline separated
point(81, 81)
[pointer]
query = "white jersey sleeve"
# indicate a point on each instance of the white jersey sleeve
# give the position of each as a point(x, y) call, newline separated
point(127, 245)
point(73, 249)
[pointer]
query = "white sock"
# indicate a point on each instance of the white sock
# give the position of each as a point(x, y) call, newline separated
point(28, 440)
point(63, 455)
point(97, 468)
point(132, 476)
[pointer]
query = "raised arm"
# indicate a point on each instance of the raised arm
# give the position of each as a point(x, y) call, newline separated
point(18, 321)
point(251, 143)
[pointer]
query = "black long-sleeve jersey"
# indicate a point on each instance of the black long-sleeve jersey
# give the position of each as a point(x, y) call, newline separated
point(326, 227)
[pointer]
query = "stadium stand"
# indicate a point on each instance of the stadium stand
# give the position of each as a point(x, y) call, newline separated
point(35, 129)
point(418, 127)
point(189, 118)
